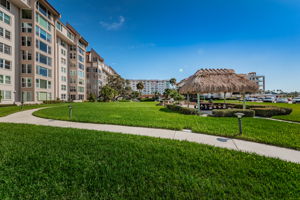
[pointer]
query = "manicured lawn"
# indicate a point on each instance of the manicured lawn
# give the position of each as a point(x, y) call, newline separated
point(54, 163)
point(4, 111)
point(150, 115)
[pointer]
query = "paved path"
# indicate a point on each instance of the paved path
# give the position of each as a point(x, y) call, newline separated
point(26, 117)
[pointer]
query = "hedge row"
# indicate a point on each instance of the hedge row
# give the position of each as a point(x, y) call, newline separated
point(271, 111)
point(53, 102)
point(232, 112)
point(182, 110)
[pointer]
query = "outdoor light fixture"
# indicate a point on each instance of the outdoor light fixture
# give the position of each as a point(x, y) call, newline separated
point(240, 116)
point(70, 111)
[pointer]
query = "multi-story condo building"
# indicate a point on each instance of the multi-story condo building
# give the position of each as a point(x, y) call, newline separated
point(40, 58)
point(64, 40)
point(77, 82)
point(151, 86)
point(97, 72)
point(9, 20)
point(260, 80)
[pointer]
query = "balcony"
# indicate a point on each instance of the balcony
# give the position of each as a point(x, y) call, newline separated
point(63, 33)
point(23, 4)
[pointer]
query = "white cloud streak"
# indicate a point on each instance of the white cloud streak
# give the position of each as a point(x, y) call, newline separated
point(113, 26)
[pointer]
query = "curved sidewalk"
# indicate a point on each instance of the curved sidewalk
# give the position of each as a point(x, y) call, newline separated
point(26, 117)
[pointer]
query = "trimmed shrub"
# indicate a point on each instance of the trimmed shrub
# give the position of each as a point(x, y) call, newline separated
point(53, 102)
point(182, 110)
point(7, 105)
point(272, 111)
point(231, 113)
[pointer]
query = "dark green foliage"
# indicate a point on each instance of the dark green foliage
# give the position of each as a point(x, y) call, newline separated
point(231, 113)
point(92, 98)
point(271, 111)
point(53, 102)
point(107, 94)
point(182, 110)
point(40, 162)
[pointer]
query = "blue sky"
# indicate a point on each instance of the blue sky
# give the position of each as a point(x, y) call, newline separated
point(161, 39)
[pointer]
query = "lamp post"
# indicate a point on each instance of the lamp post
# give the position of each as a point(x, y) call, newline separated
point(240, 116)
point(70, 111)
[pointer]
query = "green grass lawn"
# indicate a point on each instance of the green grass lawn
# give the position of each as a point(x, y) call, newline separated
point(4, 111)
point(55, 163)
point(150, 115)
point(294, 116)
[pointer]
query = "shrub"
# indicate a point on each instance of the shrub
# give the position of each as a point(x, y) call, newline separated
point(53, 102)
point(231, 113)
point(7, 105)
point(182, 110)
point(147, 100)
point(272, 111)
point(92, 98)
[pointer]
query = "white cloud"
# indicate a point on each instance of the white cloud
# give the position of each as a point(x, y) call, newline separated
point(113, 25)
point(180, 70)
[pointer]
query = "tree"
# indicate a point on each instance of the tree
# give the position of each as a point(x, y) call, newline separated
point(156, 95)
point(173, 81)
point(108, 94)
point(119, 84)
point(140, 86)
point(135, 95)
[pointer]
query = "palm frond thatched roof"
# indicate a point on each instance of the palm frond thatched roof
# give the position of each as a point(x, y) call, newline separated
point(217, 81)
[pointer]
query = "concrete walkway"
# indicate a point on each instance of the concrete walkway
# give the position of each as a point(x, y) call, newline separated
point(26, 117)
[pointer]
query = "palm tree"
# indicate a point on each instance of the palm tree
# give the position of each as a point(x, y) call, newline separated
point(173, 81)
point(140, 86)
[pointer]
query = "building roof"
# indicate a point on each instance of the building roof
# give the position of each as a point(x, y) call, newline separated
point(216, 81)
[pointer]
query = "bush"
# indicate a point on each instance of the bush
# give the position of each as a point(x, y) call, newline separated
point(231, 113)
point(147, 100)
point(182, 110)
point(271, 111)
point(7, 105)
point(92, 98)
point(53, 102)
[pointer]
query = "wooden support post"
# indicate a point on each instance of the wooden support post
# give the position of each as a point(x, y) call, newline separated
point(188, 99)
point(225, 97)
point(244, 101)
point(198, 101)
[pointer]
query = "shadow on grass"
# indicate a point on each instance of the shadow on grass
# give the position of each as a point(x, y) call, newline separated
point(167, 110)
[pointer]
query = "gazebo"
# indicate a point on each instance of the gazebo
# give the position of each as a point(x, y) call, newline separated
point(217, 81)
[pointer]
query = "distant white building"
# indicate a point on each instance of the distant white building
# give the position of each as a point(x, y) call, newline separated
point(260, 80)
point(151, 86)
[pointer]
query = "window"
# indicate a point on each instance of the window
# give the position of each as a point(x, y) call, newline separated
point(26, 55)
point(80, 51)
point(43, 84)
point(80, 58)
point(26, 82)
point(72, 81)
point(5, 18)
point(81, 66)
point(63, 87)
point(63, 78)
point(64, 70)
point(43, 34)
point(26, 14)
point(43, 47)
point(26, 27)
point(63, 96)
point(59, 26)
point(43, 22)
point(80, 89)
point(72, 55)
point(81, 74)
point(73, 48)
point(1, 32)
point(43, 59)
point(63, 61)
point(5, 4)
point(81, 82)
point(43, 96)
point(43, 71)
point(63, 52)
point(27, 96)
point(73, 73)
point(5, 48)
point(7, 79)
point(70, 36)
point(5, 64)
point(43, 10)
point(72, 89)
point(26, 41)
point(26, 69)
point(7, 34)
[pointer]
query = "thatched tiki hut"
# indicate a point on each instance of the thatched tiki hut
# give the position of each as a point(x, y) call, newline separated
point(206, 81)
